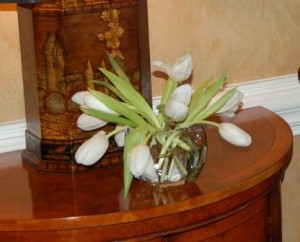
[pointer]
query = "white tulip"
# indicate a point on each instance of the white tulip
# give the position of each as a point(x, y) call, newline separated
point(139, 158)
point(87, 122)
point(176, 110)
point(120, 136)
point(234, 135)
point(150, 172)
point(228, 113)
point(175, 175)
point(92, 150)
point(92, 102)
point(183, 93)
point(141, 163)
point(230, 107)
point(180, 71)
point(78, 97)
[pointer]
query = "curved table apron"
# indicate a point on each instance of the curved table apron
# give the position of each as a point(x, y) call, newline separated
point(237, 195)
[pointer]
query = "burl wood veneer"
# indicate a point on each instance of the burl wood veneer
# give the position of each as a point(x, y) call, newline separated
point(63, 43)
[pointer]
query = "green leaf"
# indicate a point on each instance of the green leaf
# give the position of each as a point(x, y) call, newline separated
point(168, 90)
point(111, 88)
point(108, 117)
point(118, 107)
point(216, 106)
point(134, 138)
point(200, 89)
point(134, 98)
point(204, 97)
point(118, 68)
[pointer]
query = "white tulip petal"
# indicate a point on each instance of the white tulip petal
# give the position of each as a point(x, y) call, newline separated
point(232, 102)
point(92, 150)
point(78, 97)
point(139, 158)
point(120, 136)
point(92, 102)
point(230, 113)
point(227, 114)
point(175, 175)
point(176, 110)
point(183, 93)
point(182, 69)
point(87, 122)
point(163, 65)
point(234, 135)
point(150, 172)
point(230, 107)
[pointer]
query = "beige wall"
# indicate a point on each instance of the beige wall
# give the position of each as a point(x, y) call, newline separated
point(11, 86)
point(249, 40)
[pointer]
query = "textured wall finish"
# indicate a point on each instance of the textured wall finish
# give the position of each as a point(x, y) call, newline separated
point(11, 91)
point(249, 40)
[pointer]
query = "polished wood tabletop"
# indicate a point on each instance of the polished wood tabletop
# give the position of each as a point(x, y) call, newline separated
point(32, 200)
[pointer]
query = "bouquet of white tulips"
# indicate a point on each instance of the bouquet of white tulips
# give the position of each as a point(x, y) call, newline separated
point(137, 124)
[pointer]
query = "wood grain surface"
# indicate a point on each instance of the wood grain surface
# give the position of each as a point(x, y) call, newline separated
point(237, 194)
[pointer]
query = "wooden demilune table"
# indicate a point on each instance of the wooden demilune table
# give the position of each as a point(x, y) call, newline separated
point(236, 197)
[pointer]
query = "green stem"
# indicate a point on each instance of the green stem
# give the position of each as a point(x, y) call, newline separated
point(164, 169)
point(148, 137)
point(170, 170)
point(189, 124)
point(182, 144)
point(170, 86)
point(115, 131)
point(180, 165)
point(164, 149)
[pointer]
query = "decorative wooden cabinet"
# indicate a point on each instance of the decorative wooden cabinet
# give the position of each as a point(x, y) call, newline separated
point(236, 197)
point(63, 43)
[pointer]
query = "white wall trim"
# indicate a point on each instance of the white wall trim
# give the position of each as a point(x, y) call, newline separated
point(279, 94)
point(12, 136)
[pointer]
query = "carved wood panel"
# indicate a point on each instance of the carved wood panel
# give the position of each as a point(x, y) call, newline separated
point(71, 39)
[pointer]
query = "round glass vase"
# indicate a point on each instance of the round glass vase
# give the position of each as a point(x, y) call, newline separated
point(183, 159)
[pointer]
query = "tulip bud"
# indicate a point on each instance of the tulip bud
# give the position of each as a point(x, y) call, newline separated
point(229, 113)
point(176, 110)
point(141, 163)
point(180, 71)
point(92, 102)
point(234, 135)
point(78, 97)
point(150, 172)
point(87, 122)
point(139, 158)
point(92, 150)
point(120, 136)
point(230, 107)
point(183, 93)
